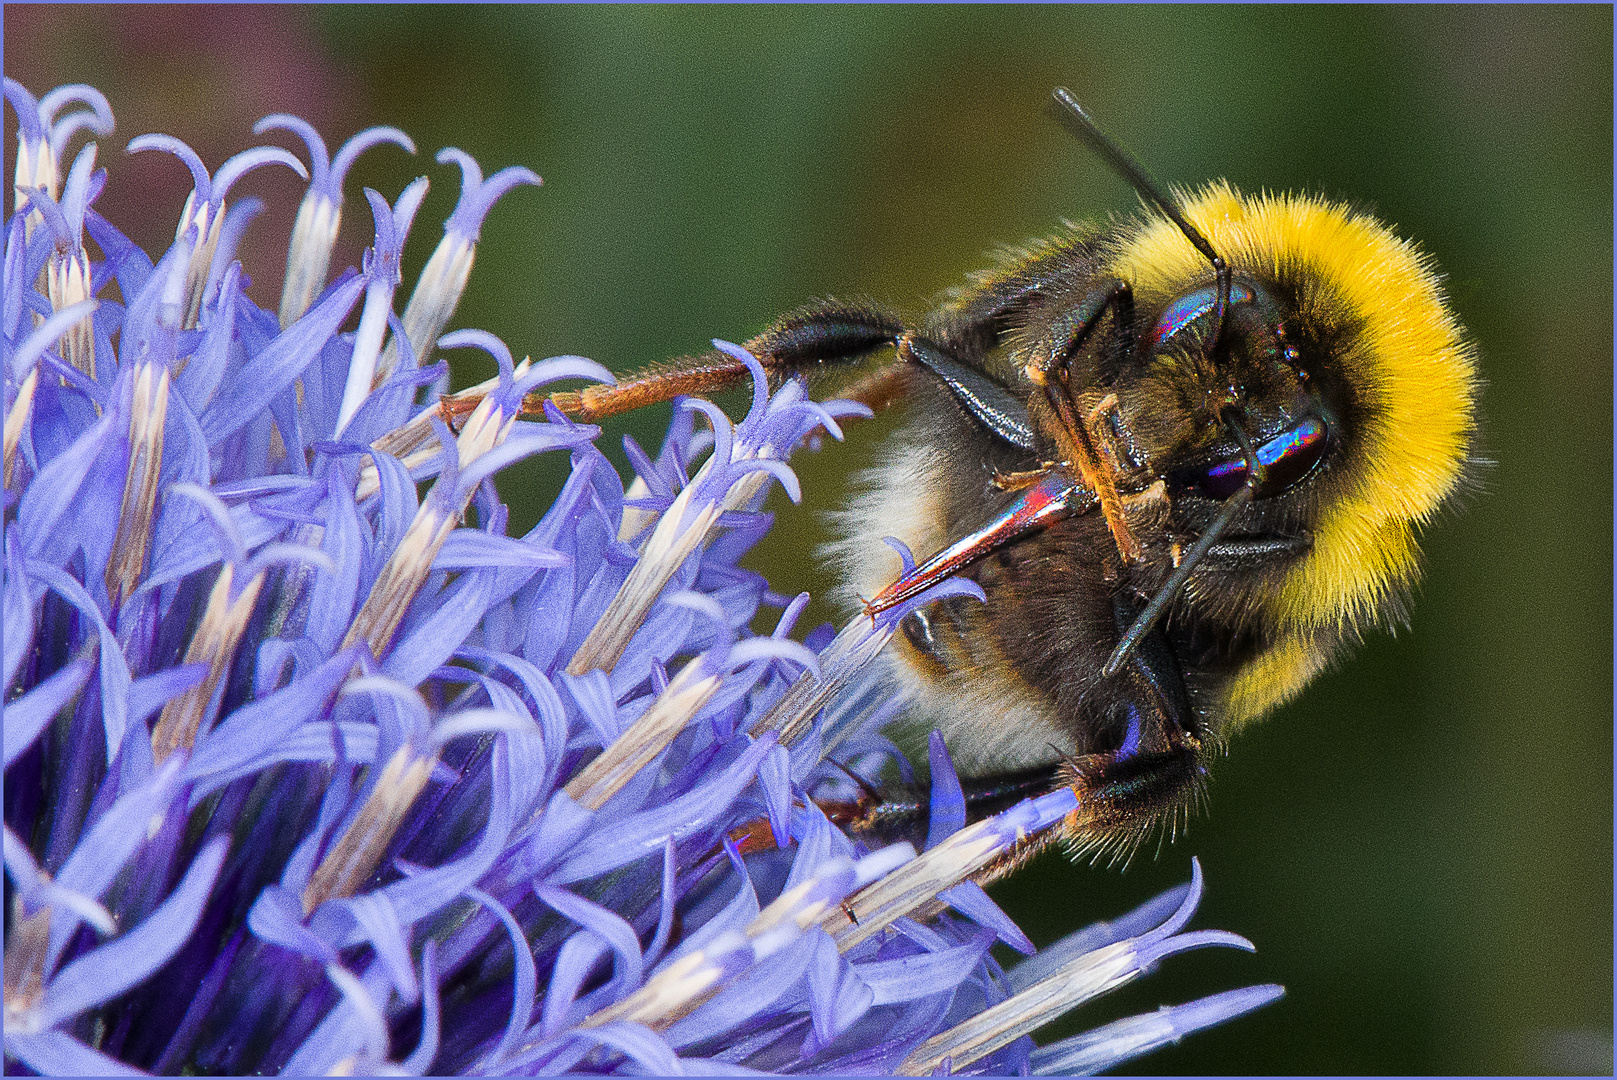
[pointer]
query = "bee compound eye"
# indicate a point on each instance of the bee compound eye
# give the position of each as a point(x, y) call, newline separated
point(1192, 306)
point(1288, 459)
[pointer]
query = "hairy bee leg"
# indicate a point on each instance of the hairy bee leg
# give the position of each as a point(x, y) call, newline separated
point(1036, 507)
point(826, 334)
point(1158, 604)
point(895, 819)
point(1096, 472)
point(701, 377)
point(1077, 439)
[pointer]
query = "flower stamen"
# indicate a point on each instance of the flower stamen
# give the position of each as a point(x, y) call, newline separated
point(354, 858)
point(214, 643)
point(148, 412)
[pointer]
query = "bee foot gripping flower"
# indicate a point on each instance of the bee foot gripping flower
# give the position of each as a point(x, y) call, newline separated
point(308, 773)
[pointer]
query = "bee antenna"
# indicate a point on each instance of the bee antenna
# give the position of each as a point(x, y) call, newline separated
point(1077, 120)
point(1165, 595)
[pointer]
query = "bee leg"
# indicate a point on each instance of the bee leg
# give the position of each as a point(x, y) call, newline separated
point(1143, 766)
point(1097, 473)
point(824, 334)
point(1105, 423)
point(984, 400)
point(1158, 605)
point(1073, 328)
point(1076, 427)
point(1035, 507)
point(906, 815)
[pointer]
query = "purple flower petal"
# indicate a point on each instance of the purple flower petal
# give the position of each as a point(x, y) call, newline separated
point(757, 989)
point(524, 442)
point(733, 918)
point(970, 900)
point(398, 501)
point(561, 825)
point(836, 997)
point(575, 961)
point(151, 693)
point(948, 811)
point(206, 368)
point(593, 695)
point(909, 977)
point(608, 925)
point(467, 548)
point(277, 917)
point(428, 891)
point(380, 926)
point(478, 196)
point(421, 1058)
point(665, 914)
point(18, 629)
point(26, 717)
point(54, 492)
point(641, 834)
point(114, 669)
point(201, 182)
point(237, 218)
point(334, 596)
point(774, 776)
point(356, 1026)
point(98, 117)
point(31, 124)
point(56, 1053)
point(638, 1043)
point(425, 643)
point(349, 152)
point(556, 368)
point(113, 840)
point(1114, 1043)
point(108, 971)
point(525, 982)
point(279, 364)
point(248, 160)
point(256, 729)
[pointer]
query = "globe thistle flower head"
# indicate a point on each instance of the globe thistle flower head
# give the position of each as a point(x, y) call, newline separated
point(310, 771)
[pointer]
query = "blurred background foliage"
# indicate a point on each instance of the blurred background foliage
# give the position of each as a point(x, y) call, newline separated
point(1421, 845)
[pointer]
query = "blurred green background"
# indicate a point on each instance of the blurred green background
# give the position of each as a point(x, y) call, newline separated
point(1421, 845)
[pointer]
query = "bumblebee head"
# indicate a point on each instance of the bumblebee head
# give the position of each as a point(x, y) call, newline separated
point(1188, 388)
point(1339, 362)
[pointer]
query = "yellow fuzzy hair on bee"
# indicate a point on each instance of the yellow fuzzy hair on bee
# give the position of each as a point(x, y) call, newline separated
point(1413, 367)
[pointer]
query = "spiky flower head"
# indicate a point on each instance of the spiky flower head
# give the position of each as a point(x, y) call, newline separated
point(309, 772)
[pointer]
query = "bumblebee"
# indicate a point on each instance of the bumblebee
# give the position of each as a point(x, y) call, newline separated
point(1185, 455)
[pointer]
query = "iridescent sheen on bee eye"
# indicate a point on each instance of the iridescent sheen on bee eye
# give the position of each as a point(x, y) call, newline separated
point(1192, 306)
point(1288, 458)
